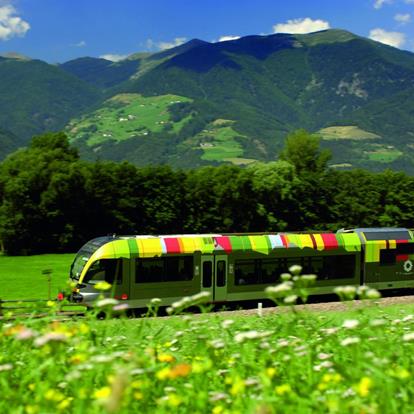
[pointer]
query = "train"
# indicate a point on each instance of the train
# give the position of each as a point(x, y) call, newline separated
point(238, 267)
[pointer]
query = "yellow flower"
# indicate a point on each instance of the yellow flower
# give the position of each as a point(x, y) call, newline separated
point(77, 358)
point(174, 400)
point(138, 395)
point(83, 328)
point(64, 404)
point(283, 389)
point(102, 393)
point(165, 358)
point(218, 409)
point(54, 395)
point(136, 384)
point(31, 409)
point(270, 372)
point(163, 374)
point(363, 387)
point(31, 387)
point(238, 386)
point(102, 285)
point(51, 303)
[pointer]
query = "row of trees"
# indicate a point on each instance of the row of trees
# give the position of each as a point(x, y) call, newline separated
point(51, 201)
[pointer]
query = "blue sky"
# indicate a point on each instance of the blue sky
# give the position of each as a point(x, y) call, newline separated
point(60, 30)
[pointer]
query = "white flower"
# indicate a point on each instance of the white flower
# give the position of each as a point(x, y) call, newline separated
point(407, 318)
point(372, 294)
point(280, 290)
point(155, 301)
point(242, 336)
point(350, 323)
point(323, 356)
point(295, 270)
point(408, 337)
point(217, 344)
point(106, 302)
point(6, 367)
point(50, 337)
point(346, 292)
point(227, 323)
point(285, 277)
point(290, 300)
point(350, 341)
point(324, 364)
point(377, 322)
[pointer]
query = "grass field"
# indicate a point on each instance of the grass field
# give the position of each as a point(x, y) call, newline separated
point(21, 276)
point(124, 116)
point(359, 361)
point(346, 132)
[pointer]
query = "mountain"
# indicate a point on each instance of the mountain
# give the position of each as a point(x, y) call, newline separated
point(235, 101)
point(36, 97)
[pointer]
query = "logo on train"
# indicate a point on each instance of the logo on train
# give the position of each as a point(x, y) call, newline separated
point(408, 266)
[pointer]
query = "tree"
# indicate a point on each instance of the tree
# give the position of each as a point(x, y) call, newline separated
point(302, 149)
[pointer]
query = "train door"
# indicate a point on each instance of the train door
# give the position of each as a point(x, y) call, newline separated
point(214, 276)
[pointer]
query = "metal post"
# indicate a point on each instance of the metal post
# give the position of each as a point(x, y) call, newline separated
point(48, 274)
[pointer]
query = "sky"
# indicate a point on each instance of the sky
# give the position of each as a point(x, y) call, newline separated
point(60, 30)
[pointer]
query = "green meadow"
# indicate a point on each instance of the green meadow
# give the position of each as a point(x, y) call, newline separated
point(21, 276)
point(290, 360)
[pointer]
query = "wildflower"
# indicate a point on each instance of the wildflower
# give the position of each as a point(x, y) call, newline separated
point(227, 323)
point(54, 395)
point(351, 340)
point(270, 372)
point(217, 344)
point(284, 277)
point(363, 387)
point(25, 334)
point(279, 291)
point(350, 323)
point(377, 322)
point(155, 301)
point(64, 404)
point(106, 302)
point(103, 285)
point(180, 370)
point(290, 300)
point(242, 336)
point(217, 396)
point(295, 270)
point(408, 337)
point(165, 358)
point(323, 364)
point(346, 292)
point(6, 367)
point(238, 386)
point(50, 337)
point(102, 393)
point(324, 356)
point(408, 318)
point(120, 307)
point(283, 389)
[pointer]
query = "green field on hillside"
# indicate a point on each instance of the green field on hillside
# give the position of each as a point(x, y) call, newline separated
point(346, 132)
point(21, 276)
point(125, 116)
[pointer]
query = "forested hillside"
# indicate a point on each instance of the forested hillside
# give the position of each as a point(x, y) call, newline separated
point(229, 102)
point(51, 201)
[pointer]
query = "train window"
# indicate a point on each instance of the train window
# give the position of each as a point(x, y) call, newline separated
point(387, 257)
point(405, 248)
point(272, 269)
point(178, 268)
point(338, 267)
point(207, 274)
point(221, 273)
point(397, 234)
point(149, 270)
point(246, 272)
point(108, 270)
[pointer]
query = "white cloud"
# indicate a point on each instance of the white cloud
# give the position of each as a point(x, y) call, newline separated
point(169, 45)
point(113, 57)
point(402, 18)
point(82, 43)
point(379, 3)
point(395, 39)
point(409, 1)
point(10, 24)
point(151, 44)
point(227, 38)
point(303, 25)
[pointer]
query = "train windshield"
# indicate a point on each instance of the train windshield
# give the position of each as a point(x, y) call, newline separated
point(84, 255)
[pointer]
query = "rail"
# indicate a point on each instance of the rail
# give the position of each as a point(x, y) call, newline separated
point(12, 309)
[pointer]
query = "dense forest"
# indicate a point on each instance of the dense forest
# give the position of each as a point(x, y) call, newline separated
point(51, 201)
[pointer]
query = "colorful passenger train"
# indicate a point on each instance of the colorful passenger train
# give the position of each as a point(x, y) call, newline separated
point(238, 267)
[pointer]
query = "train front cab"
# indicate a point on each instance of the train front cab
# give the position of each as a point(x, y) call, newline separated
point(388, 257)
